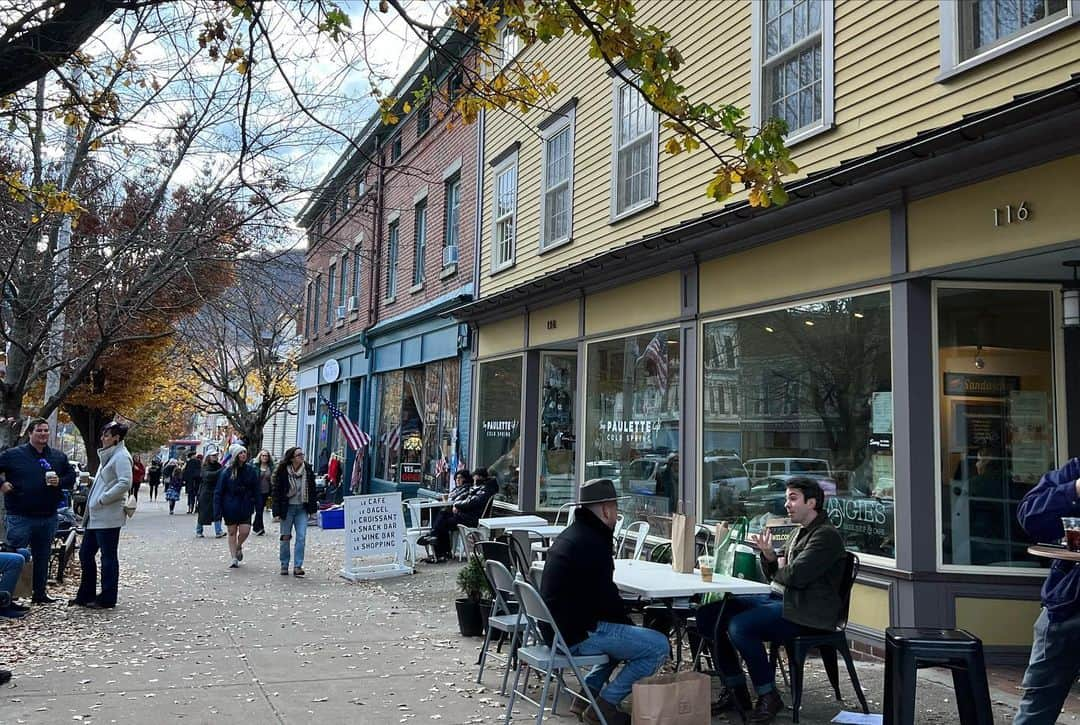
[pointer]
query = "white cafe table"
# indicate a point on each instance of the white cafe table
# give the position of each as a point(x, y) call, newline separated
point(419, 505)
point(545, 530)
point(498, 523)
point(652, 580)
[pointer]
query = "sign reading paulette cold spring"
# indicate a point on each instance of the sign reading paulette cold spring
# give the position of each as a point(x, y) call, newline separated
point(500, 428)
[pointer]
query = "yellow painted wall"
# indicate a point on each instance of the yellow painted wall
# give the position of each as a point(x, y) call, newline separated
point(566, 318)
point(845, 253)
point(886, 64)
point(965, 219)
point(633, 305)
point(869, 607)
point(1005, 622)
point(501, 336)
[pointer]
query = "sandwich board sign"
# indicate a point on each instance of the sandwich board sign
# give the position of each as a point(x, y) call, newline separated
point(374, 537)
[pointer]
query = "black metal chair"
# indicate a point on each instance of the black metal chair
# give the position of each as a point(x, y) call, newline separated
point(828, 644)
point(496, 551)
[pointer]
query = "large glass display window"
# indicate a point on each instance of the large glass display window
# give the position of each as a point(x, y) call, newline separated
point(998, 428)
point(558, 380)
point(498, 422)
point(804, 390)
point(632, 423)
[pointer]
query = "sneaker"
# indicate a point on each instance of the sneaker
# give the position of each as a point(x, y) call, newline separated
point(219, 535)
point(260, 533)
point(298, 571)
point(239, 553)
point(284, 570)
point(767, 708)
point(200, 536)
point(235, 564)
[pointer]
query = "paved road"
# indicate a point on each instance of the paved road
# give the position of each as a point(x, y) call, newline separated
point(193, 641)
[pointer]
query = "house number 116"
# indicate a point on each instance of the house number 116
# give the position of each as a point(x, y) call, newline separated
point(1010, 215)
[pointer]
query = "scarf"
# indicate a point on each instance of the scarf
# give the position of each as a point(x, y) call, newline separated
point(297, 479)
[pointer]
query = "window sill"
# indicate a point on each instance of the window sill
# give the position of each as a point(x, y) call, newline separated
point(448, 271)
point(545, 248)
point(503, 268)
point(389, 300)
point(340, 322)
point(633, 211)
point(805, 134)
point(416, 288)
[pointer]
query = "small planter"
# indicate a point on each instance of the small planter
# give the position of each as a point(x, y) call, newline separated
point(470, 614)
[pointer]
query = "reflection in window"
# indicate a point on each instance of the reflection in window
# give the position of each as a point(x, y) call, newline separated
point(987, 23)
point(498, 419)
point(995, 354)
point(388, 440)
point(802, 391)
point(632, 423)
point(557, 442)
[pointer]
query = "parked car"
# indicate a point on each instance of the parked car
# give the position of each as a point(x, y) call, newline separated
point(727, 471)
point(762, 469)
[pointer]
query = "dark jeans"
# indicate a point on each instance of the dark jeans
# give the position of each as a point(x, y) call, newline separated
point(259, 524)
point(35, 533)
point(1051, 671)
point(745, 624)
point(105, 541)
point(192, 497)
point(444, 525)
point(135, 490)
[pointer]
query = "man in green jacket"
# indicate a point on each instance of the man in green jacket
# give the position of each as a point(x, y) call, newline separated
point(805, 598)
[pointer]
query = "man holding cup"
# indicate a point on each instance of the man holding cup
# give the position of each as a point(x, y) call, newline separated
point(1055, 652)
point(34, 476)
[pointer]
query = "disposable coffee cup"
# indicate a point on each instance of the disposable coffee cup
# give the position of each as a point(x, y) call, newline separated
point(51, 479)
point(705, 565)
point(1072, 532)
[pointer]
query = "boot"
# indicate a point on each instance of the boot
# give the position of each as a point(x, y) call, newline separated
point(612, 714)
point(579, 705)
point(734, 697)
point(767, 707)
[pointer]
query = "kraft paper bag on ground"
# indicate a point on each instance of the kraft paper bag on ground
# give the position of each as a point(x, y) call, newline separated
point(25, 586)
point(683, 556)
point(679, 699)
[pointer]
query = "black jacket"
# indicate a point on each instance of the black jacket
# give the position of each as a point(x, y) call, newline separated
point(25, 468)
point(280, 503)
point(812, 576)
point(471, 506)
point(578, 584)
point(192, 474)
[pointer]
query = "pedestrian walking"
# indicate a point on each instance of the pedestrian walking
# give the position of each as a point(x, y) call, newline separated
point(294, 500)
point(104, 518)
point(234, 500)
point(211, 471)
point(153, 478)
point(173, 484)
point(265, 467)
point(192, 479)
point(35, 475)
point(138, 474)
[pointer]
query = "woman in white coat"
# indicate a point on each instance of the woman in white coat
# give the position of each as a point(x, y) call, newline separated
point(104, 517)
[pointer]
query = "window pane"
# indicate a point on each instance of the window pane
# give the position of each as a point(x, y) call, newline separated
point(449, 439)
point(985, 23)
point(387, 441)
point(998, 431)
point(557, 441)
point(453, 212)
point(499, 424)
point(391, 260)
point(420, 243)
point(816, 400)
point(632, 423)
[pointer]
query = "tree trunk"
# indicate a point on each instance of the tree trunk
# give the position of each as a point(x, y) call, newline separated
point(89, 421)
point(253, 437)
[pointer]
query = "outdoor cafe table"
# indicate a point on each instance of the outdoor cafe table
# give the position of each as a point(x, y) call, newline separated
point(545, 530)
point(427, 504)
point(498, 523)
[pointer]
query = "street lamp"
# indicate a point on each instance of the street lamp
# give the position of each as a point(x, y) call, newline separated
point(1070, 297)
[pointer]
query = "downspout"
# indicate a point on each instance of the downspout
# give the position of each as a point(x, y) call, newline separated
point(473, 329)
point(373, 311)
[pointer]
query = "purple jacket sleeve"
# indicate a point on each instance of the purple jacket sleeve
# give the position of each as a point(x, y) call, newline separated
point(1042, 508)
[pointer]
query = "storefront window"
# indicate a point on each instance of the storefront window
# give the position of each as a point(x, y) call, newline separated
point(440, 424)
point(998, 430)
point(632, 423)
point(388, 439)
point(802, 391)
point(559, 382)
point(498, 415)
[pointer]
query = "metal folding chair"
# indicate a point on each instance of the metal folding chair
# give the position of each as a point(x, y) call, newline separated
point(636, 532)
point(550, 660)
point(503, 617)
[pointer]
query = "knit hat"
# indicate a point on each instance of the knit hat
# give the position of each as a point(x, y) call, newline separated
point(211, 449)
point(236, 449)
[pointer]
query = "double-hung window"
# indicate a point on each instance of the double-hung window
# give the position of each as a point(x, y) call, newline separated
point(315, 306)
point(633, 182)
point(974, 31)
point(356, 274)
point(505, 214)
point(556, 200)
point(330, 300)
point(509, 46)
point(793, 69)
point(419, 243)
point(307, 310)
point(453, 217)
point(391, 258)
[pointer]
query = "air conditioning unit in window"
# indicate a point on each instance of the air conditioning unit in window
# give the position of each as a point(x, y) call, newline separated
point(352, 303)
point(450, 256)
point(341, 312)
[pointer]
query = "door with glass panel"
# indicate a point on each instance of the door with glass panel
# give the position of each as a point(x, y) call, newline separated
point(558, 444)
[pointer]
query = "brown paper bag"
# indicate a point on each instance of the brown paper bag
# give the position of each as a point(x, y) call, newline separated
point(683, 557)
point(679, 699)
point(25, 586)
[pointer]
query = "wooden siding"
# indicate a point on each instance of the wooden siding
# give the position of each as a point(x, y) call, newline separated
point(886, 65)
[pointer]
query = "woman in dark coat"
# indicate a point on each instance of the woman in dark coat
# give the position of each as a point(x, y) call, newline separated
point(294, 501)
point(211, 469)
point(234, 500)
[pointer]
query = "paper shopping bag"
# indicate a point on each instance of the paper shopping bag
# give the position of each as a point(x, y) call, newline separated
point(678, 699)
point(25, 586)
point(682, 542)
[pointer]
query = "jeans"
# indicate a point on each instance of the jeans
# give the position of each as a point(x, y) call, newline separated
point(749, 622)
point(258, 524)
point(11, 565)
point(295, 518)
point(1051, 671)
point(36, 532)
point(643, 651)
point(105, 541)
point(217, 528)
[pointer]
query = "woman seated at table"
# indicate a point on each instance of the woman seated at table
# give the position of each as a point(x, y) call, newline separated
point(467, 505)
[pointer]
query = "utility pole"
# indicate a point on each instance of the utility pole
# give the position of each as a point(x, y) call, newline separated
point(61, 270)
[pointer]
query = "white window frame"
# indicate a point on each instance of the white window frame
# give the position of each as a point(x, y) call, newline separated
point(564, 122)
point(358, 270)
point(420, 234)
point(331, 293)
point(499, 263)
point(950, 61)
point(504, 33)
point(828, 75)
point(615, 213)
point(393, 244)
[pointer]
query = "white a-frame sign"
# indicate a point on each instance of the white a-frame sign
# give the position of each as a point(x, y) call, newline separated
point(374, 537)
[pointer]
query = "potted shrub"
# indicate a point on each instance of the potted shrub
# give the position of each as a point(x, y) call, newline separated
point(471, 607)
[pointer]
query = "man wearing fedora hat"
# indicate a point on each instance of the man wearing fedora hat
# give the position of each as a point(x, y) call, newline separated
point(579, 589)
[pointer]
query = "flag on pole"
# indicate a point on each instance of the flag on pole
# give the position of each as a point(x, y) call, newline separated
point(357, 438)
point(656, 353)
point(357, 469)
point(392, 438)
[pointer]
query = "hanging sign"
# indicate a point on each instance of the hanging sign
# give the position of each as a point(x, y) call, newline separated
point(374, 537)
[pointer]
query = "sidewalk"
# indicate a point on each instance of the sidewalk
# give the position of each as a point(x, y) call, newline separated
point(193, 641)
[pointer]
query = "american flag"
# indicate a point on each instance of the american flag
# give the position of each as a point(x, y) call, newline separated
point(357, 438)
point(656, 353)
point(441, 466)
point(357, 469)
point(392, 438)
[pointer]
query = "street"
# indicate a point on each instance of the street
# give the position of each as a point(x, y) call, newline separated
point(194, 641)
